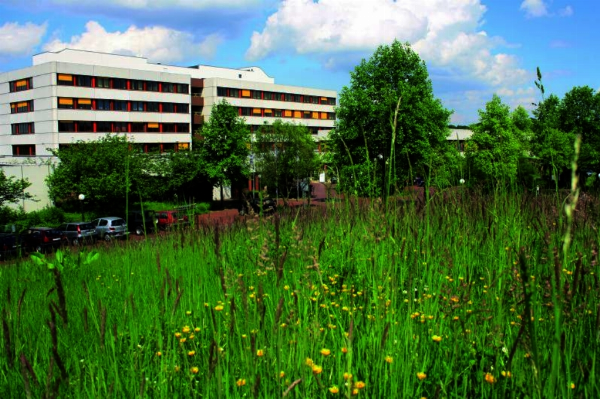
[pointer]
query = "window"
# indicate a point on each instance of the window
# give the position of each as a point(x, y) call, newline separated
point(256, 94)
point(182, 88)
point(152, 127)
point(297, 98)
point(21, 107)
point(120, 105)
point(104, 127)
point(268, 113)
point(21, 85)
point(119, 84)
point(168, 88)
point(287, 113)
point(183, 108)
point(103, 105)
point(183, 127)
point(245, 93)
point(306, 115)
point(151, 86)
point(168, 107)
point(288, 97)
point(137, 106)
point(64, 80)
point(324, 115)
point(120, 127)
point(221, 92)
point(246, 111)
point(297, 114)
point(103, 83)
point(268, 95)
point(85, 126)
point(137, 85)
point(66, 126)
point(183, 146)
point(84, 103)
point(23, 150)
point(139, 127)
point(234, 93)
point(151, 107)
point(168, 128)
point(315, 115)
point(83, 81)
point(277, 113)
point(65, 103)
point(22, 128)
point(256, 112)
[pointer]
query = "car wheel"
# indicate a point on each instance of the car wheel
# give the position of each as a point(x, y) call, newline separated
point(75, 241)
point(107, 238)
point(139, 231)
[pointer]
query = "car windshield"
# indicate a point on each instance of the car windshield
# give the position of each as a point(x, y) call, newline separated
point(118, 222)
point(86, 226)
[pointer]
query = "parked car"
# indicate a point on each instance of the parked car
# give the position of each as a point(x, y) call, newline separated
point(9, 245)
point(110, 227)
point(253, 200)
point(42, 239)
point(79, 232)
point(142, 222)
point(168, 220)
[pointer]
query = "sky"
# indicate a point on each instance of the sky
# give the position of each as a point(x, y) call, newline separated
point(473, 48)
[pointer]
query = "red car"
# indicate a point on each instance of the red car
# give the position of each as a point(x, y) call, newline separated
point(168, 220)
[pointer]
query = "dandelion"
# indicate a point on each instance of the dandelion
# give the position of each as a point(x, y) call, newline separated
point(177, 368)
point(572, 386)
point(218, 308)
point(360, 385)
point(159, 353)
point(334, 390)
point(347, 376)
point(421, 376)
point(182, 340)
point(436, 338)
point(177, 335)
point(185, 330)
point(490, 378)
point(506, 374)
point(191, 353)
point(197, 329)
point(281, 374)
point(325, 352)
point(355, 391)
point(241, 382)
point(309, 362)
point(188, 312)
point(317, 369)
point(260, 353)
point(389, 359)
point(344, 350)
point(194, 370)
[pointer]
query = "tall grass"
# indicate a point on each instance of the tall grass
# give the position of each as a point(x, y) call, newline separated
point(452, 297)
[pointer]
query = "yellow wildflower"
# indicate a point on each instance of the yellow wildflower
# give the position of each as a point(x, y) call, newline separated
point(347, 376)
point(421, 376)
point(325, 352)
point(191, 353)
point(389, 359)
point(185, 329)
point(490, 378)
point(334, 390)
point(260, 353)
point(218, 308)
point(360, 385)
point(436, 338)
point(317, 369)
point(344, 350)
point(194, 370)
point(241, 382)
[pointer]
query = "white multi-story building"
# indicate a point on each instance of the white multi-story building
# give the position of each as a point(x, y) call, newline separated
point(73, 95)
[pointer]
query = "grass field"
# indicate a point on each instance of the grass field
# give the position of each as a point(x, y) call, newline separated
point(471, 296)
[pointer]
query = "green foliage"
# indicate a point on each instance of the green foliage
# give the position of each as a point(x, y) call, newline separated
point(104, 170)
point(494, 150)
point(388, 122)
point(223, 147)
point(284, 153)
point(12, 189)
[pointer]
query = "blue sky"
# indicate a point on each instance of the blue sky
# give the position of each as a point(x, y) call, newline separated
point(473, 48)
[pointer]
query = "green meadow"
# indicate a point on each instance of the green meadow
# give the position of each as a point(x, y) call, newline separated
point(461, 295)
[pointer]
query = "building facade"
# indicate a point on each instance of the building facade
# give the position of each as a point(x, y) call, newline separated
point(74, 95)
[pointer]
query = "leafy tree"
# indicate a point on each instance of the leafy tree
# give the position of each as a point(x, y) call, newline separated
point(579, 113)
point(389, 125)
point(104, 170)
point(223, 147)
point(494, 150)
point(284, 153)
point(12, 189)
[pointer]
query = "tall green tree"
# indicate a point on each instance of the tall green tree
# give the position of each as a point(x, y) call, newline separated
point(223, 148)
point(104, 170)
point(389, 125)
point(496, 146)
point(12, 189)
point(284, 154)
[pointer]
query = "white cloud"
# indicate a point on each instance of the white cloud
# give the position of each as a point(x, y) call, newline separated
point(446, 33)
point(164, 4)
point(534, 8)
point(157, 43)
point(16, 39)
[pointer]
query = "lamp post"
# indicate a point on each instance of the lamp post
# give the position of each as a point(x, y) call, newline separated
point(81, 198)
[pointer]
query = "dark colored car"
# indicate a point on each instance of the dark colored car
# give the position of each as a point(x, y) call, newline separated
point(79, 232)
point(251, 203)
point(9, 245)
point(42, 239)
point(168, 220)
point(142, 222)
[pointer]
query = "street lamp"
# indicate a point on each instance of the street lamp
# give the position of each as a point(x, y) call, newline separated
point(81, 198)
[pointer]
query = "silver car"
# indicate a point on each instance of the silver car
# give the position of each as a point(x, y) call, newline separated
point(78, 232)
point(110, 227)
